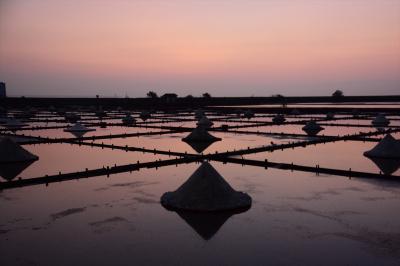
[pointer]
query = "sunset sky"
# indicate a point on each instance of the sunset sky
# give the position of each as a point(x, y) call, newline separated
point(224, 47)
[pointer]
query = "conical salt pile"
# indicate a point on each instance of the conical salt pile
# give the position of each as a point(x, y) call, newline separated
point(330, 116)
point(128, 120)
point(355, 113)
point(295, 112)
point(144, 115)
point(205, 190)
point(388, 148)
point(248, 114)
point(198, 114)
point(12, 152)
point(205, 122)
point(278, 119)
point(312, 128)
point(100, 113)
point(78, 127)
point(380, 120)
point(72, 117)
point(200, 134)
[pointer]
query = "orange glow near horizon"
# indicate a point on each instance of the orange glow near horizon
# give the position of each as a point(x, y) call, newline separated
point(178, 43)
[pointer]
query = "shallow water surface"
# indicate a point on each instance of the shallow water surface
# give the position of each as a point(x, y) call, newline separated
point(296, 217)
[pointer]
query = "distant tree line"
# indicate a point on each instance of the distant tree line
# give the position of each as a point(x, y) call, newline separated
point(336, 95)
point(154, 95)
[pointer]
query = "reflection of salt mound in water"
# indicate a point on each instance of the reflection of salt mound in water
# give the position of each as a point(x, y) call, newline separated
point(387, 166)
point(205, 122)
point(13, 158)
point(388, 148)
point(78, 130)
point(312, 128)
point(199, 139)
point(199, 147)
point(380, 121)
point(10, 170)
point(380, 129)
point(207, 224)
point(78, 134)
point(206, 191)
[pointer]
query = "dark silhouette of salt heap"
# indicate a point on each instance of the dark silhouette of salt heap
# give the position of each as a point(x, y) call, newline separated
point(13, 158)
point(312, 128)
point(206, 191)
point(380, 121)
point(388, 148)
point(199, 139)
point(386, 155)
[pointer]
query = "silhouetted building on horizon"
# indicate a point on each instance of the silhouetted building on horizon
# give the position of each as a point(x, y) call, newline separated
point(170, 97)
point(3, 93)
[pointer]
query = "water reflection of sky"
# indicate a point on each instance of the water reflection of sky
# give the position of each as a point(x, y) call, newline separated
point(337, 155)
point(297, 219)
point(60, 133)
point(174, 142)
point(73, 158)
point(324, 105)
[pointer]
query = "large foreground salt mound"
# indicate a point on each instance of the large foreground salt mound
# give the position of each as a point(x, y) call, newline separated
point(206, 190)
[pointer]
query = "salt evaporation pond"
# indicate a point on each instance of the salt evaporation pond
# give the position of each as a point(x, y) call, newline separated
point(297, 217)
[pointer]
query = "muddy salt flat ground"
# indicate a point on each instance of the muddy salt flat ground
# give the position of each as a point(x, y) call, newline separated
point(298, 216)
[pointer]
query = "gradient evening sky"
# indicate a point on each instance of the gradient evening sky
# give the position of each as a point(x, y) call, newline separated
point(225, 47)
